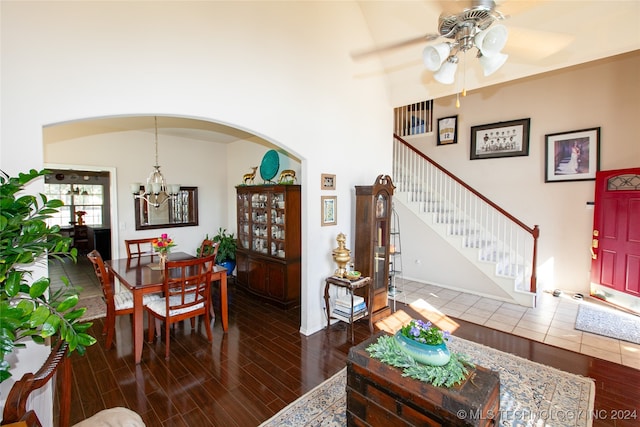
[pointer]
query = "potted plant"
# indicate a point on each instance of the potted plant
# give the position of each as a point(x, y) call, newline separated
point(425, 342)
point(27, 311)
point(226, 250)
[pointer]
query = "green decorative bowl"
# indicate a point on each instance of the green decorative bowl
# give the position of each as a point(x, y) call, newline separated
point(434, 355)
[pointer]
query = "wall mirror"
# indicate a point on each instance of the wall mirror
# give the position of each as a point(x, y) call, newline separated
point(179, 211)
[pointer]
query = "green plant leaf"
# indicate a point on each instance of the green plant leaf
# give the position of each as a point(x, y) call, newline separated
point(6, 343)
point(75, 314)
point(86, 339)
point(39, 316)
point(27, 306)
point(37, 339)
point(69, 302)
point(12, 283)
point(39, 287)
point(25, 238)
point(82, 327)
point(50, 326)
point(73, 341)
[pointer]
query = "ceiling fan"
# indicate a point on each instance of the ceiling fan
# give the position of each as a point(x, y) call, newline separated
point(461, 31)
point(472, 24)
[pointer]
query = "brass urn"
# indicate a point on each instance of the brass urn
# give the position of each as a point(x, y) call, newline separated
point(341, 256)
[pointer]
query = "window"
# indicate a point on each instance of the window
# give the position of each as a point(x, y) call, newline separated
point(82, 197)
point(413, 119)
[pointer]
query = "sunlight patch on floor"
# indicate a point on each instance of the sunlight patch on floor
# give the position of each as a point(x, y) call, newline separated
point(434, 315)
point(397, 320)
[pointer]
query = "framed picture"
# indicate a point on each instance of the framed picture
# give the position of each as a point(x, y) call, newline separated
point(503, 139)
point(329, 210)
point(327, 182)
point(572, 156)
point(448, 130)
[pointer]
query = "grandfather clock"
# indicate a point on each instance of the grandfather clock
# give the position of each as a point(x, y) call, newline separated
point(373, 221)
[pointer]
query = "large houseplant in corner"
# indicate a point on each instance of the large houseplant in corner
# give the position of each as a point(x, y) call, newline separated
point(226, 250)
point(27, 311)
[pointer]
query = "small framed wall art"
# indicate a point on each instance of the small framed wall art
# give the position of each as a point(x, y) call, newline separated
point(503, 139)
point(327, 182)
point(329, 210)
point(448, 130)
point(572, 156)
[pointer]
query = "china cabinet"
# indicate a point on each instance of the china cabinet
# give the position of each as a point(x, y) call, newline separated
point(268, 254)
point(373, 223)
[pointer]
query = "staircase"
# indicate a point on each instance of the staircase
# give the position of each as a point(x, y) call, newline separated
point(496, 243)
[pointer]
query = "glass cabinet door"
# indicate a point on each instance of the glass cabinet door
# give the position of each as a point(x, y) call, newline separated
point(243, 220)
point(278, 233)
point(259, 226)
point(380, 244)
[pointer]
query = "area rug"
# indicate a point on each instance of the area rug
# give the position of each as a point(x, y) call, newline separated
point(96, 308)
point(608, 322)
point(531, 394)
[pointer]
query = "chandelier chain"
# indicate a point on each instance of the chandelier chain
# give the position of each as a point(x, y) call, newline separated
point(156, 127)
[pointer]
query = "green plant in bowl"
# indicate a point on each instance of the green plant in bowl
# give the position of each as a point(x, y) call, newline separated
point(353, 275)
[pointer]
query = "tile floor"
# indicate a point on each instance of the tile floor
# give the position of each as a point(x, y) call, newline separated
point(551, 322)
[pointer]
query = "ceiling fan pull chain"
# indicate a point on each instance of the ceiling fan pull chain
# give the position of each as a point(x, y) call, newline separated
point(464, 73)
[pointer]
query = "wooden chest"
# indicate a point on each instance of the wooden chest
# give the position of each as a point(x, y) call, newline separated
point(378, 394)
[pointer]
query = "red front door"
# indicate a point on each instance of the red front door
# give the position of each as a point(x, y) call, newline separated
point(616, 231)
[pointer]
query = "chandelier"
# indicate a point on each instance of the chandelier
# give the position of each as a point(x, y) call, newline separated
point(156, 191)
point(466, 30)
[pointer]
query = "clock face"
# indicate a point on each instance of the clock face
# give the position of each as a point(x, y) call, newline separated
point(269, 166)
point(381, 207)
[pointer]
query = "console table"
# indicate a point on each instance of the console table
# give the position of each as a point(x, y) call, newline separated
point(378, 394)
point(351, 286)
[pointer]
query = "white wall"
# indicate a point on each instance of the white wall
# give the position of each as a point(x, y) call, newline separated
point(183, 161)
point(601, 94)
point(280, 70)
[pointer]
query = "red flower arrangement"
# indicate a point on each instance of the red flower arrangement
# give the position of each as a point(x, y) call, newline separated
point(163, 244)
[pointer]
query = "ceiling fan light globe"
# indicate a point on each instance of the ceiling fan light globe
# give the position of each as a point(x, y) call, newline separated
point(447, 73)
point(492, 40)
point(491, 64)
point(434, 55)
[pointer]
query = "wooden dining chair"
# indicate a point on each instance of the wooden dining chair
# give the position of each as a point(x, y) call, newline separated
point(58, 364)
point(187, 294)
point(208, 247)
point(139, 247)
point(119, 303)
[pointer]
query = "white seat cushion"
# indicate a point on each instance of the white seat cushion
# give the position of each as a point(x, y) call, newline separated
point(113, 417)
point(159, 306)
point(124, 300)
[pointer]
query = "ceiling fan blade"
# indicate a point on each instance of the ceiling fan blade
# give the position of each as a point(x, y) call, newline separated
point(361, 54)
point(546, 43)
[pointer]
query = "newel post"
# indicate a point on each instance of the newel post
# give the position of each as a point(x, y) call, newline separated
point(534, 261)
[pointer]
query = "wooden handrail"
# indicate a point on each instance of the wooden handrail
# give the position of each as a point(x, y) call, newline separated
point(534, 231)
point(15, 408)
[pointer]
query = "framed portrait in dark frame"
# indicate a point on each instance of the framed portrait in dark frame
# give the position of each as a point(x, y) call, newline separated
point(572, 156)
point(503, 139)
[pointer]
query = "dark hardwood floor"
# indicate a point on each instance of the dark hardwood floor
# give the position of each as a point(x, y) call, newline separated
point(263, 363)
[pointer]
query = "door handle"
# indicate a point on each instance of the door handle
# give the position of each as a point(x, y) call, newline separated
point(594, 245)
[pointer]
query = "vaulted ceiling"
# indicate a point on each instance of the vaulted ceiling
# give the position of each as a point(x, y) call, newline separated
point(544, 35)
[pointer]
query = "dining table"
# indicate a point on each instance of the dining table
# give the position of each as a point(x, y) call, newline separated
point(142, 275)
